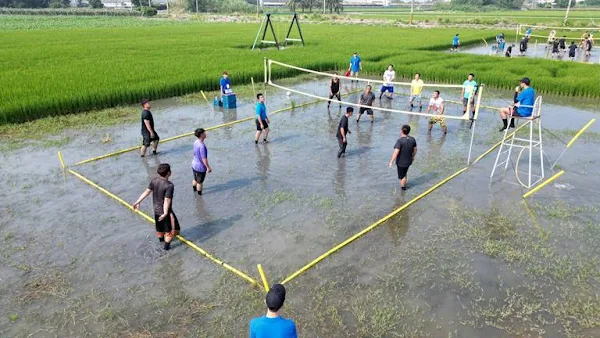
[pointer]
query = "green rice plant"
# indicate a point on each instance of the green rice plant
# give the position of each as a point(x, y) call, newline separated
point(61, 71)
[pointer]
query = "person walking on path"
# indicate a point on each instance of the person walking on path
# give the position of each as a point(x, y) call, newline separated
point(149, 135)
point(262, 120)
point(272, 325)
point(455, 43)
point(343, 131)
point(162, 190)
point(404, 154)
point(200, 164)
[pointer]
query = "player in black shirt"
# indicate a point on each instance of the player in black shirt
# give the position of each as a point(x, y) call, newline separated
point(404, 154)
point(572, 49)
point(149, 135)
point(508, 51)
point(334, 89)
point(343, 131)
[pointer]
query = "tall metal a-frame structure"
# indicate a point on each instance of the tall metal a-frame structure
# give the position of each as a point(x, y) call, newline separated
point(266, 25)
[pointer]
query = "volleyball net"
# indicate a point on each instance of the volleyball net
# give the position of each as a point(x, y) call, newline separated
point(547, 32)
point(451, 94)
point(460, 102)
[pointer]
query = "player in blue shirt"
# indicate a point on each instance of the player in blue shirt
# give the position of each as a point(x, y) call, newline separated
point(272, 325)
point(455, 43)
point(528, 32)
point(225, 84)
point(262, 120)
point(355, 65)
point(469, 90)
point(523, 106)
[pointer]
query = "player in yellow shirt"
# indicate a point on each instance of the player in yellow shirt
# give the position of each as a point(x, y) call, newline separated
point(416, 88)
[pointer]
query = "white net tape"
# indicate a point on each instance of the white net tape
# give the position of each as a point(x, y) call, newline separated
point(268, 79)
point(544, 31)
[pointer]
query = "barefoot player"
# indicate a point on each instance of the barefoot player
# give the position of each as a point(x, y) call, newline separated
point(436, 103)
point(162, 191)
point(149, 135)
point(262, 120)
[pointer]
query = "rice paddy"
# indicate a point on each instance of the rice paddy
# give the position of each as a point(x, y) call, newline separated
point(60, 71)
point(472, 259)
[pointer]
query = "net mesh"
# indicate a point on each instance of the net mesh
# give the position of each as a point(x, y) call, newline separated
point(402, 92)
point(547, 32)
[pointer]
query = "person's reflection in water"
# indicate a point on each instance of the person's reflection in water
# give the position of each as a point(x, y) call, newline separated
point(435, 146)
point(263, 161)
point(229, 115)
point(339, 180)
point(398, 225)
point(151, 164)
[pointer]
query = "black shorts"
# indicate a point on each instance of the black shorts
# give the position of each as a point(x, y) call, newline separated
point(362, 110)
point(466, 102)
point(265, 125)
point(147, 139)
point(402, 171)
point(571, 55)
point(164, 227)
point(199, 176)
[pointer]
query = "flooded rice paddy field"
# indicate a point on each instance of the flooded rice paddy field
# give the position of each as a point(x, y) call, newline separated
point(537, 50)
point(470, 259)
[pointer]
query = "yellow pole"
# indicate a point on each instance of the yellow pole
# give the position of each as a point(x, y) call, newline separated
point(371, 227)
point(263, 277)
point(580, 132)
point(106, 155)
point(62, 162)
point(179, 237)
point(204, 97)
point(555, 176)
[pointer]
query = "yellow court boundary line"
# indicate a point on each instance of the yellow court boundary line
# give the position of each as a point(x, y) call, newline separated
point(371, 227)
point(179, 237)
point(543, 184)
point(263, 277)
point(580, 132)
point(118, 152)
point(393, 213)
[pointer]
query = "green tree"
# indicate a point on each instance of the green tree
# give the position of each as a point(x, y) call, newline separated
point(96, 4)
point(564, 3)
point(592, 2)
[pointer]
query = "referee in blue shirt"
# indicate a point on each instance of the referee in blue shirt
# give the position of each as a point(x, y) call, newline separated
point(523, 106)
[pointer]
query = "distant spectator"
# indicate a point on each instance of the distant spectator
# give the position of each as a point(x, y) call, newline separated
point(572, 49)
point(455, 43)
point(272, 325)
point(225, 84)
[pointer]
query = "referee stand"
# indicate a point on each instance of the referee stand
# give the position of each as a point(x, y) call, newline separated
point(534, 141)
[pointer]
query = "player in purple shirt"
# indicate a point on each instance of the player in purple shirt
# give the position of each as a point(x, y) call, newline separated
point(200, 164)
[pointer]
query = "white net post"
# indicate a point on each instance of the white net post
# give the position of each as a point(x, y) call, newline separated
point(475, 116)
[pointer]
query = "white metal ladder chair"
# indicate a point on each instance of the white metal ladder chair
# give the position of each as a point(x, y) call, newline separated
point(534, 141)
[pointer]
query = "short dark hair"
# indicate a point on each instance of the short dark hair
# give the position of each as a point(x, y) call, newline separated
point(418, 74)
point(144, 101)
point(437, 91)
point(225, 73)
point(473, 75)
point(391, 65)
point(335, 73)
point(198, 132)
point(259, 95)
point(163, 169)
point(405, 129)
point(526, 81)
point(349, 110)
point(369, 86)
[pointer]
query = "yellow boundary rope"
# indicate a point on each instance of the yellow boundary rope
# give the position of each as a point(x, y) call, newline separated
point(580, 132)
point(543, 184)
point(371, 227)
point(263, 277)
point(179, 237)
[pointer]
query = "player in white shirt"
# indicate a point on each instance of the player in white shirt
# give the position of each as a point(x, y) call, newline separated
point(388, 78)
point(436, 103)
